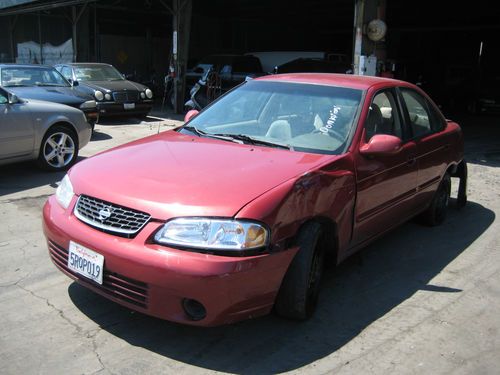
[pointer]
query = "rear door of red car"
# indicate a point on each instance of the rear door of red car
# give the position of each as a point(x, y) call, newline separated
point(427, 126)
point(386, 184)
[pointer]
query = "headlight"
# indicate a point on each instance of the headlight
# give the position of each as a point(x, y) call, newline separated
point(149, 93)
point(143, 96)
point(98, 95)
point(64, 192)
point(216, 234)
point(107, 97)
point(88, 104)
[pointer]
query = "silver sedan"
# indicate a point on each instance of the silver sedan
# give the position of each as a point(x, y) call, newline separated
point(49, 133)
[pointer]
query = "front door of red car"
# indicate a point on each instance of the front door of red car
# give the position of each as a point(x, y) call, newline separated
point(386, 184)
point(426, 126)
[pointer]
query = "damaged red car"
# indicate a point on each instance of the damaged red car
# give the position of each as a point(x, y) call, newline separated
point(237, 212)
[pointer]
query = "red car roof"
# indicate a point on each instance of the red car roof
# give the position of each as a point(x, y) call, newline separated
point(344, 80)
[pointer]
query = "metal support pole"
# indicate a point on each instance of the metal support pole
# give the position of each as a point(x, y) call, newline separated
point(359, 8)
point(73, 28)
point(40, 37)
point(175, 36)
point(12, 27)
point(96, 36)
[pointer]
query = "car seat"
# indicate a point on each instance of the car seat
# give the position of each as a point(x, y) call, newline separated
point(280, 129)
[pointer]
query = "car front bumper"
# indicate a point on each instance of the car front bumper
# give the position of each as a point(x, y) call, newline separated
point(120, 109)
point(155, 279)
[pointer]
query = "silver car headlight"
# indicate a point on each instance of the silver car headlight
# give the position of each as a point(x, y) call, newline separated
point(213, 234)
point(107, 96)
point(64, 192)
point(88, 104)
point(149, 93)
point(98, 95)
point(143, 96)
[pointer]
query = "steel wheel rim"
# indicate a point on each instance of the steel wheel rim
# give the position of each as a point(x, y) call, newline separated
point(59, 150)
point(315, 274)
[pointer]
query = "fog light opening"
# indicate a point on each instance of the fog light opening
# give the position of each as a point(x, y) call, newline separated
point(194, 309)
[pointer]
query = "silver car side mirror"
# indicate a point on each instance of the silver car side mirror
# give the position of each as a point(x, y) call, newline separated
point(13, 99)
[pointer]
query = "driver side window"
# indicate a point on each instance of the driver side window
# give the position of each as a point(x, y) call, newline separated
point(383, 117)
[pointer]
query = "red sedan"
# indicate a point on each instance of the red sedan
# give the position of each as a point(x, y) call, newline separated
point(237, 212)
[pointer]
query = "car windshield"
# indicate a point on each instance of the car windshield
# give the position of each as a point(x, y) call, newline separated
point(26, 76)
point(301, 117)
point(97, 73)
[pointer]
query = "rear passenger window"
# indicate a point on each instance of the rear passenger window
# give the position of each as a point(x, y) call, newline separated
point(419, 114)
point(383, 117)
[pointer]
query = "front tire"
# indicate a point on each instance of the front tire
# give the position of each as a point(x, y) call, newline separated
point(59, 149)
point(298, 295)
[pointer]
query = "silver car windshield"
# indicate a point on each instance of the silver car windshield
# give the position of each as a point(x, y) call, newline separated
point(26, 76)
point(302, 117)
point(98, 73)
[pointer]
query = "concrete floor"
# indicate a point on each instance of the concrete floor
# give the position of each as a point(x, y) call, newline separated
point(420, 300)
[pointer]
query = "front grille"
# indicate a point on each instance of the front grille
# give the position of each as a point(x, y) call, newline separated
point(109, 217)
point(126, 96)
point(114, 285)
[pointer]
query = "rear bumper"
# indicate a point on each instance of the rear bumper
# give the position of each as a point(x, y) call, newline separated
point(155, 280)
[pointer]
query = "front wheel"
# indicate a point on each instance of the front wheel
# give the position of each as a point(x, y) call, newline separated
point(59, 149)
point(298, 294)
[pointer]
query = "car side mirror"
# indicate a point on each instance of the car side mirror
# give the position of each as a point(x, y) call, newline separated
point(73, 83)
point(192, 113)
point(381, 144)
point(13, 99)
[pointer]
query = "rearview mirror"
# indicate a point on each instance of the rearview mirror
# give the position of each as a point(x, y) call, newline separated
point(381, 144)
point(73, 83)
point(192, 113)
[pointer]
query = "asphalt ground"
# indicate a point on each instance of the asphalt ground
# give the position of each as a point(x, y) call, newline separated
point(418, 301)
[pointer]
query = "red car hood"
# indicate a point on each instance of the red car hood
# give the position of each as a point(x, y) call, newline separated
point(172, 174)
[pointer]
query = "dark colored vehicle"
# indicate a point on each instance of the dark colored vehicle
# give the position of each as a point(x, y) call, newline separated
point(267, 185)
point(114, 94)
point(486, 98)
point(45, 83)
point(217, 75)
point(311, 65)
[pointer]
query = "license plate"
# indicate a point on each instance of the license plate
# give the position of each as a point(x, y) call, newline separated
point(128, 105)
point(86, 262)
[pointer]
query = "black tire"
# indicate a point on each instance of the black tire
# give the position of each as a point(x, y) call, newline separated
point(436, 213)
point(298, 294)
point(62, 143)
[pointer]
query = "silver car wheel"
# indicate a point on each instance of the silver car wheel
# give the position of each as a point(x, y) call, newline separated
point(59, 150)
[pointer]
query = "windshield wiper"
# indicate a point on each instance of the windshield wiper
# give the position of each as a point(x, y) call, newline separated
point(238, 138)
point(50, 85)
point(255, 141)
point(201, 133)
point(16, 85)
